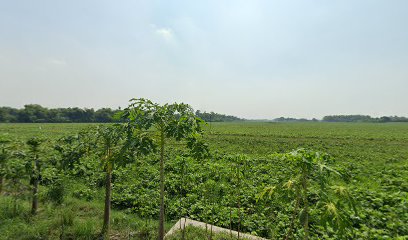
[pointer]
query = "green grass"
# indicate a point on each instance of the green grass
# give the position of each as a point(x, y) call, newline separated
point(75, 219)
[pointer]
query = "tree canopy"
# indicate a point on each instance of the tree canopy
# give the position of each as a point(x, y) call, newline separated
point(34, 113)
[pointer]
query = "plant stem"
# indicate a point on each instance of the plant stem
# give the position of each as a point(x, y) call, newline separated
point(306, 203)
point(292, 221)
point(239, 201)
point(108, 190)
point(230, 223)
point(161, 219)
point(34, 205)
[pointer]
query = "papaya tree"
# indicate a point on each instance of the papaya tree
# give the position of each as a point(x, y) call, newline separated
point(109, 137)
point(118, 142)
point(35, 167)
point(309, 189)
point(168, 122)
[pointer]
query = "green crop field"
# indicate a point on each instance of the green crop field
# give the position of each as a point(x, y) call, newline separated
point(371, 159)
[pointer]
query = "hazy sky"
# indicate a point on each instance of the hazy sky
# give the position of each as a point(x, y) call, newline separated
point(253, 59)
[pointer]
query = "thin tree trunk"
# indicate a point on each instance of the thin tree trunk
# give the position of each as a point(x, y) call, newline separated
point(181, 200)
point(306, 202)
point(34, 205)
point(230, 223)
point(292, 221)
point(108, 190)
point(184, 229)
point(161, 220)
point(211, 232)
point(239, 201)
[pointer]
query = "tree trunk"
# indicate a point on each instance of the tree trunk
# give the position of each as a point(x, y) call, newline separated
point(239, 200)
point(184, 230)
point(306, 209)
point(230, 223)
point(161, 219)
point(295, 210)
point(108, 190)
point(34, 205)
point(211, 232)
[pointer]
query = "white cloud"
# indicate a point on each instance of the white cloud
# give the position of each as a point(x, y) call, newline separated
point(58, 62)
point(165, 33)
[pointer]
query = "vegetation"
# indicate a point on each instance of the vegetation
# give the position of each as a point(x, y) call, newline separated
point(363, 118)
point(283, 119)
point(216, 117)
point(34, 113)
point(170, 121)
point(352, 185)
point(35, 169)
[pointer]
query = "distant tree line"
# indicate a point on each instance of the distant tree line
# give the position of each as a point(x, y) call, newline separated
point(346, 118)
point(363, 118)
point(216, 117)
point(283, 119)
point(34, 113)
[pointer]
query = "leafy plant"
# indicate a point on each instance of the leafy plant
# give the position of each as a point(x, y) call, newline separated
point(308, 190)
point(35, 167)
point(117, 142)
point(175, 121)
point(5, 155)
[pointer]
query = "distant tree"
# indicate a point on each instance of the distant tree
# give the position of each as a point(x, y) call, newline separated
point(348, 118)
point(283, 119)
point(8, 115)
point(216, 117)
point(32, 113)
point(104, 115)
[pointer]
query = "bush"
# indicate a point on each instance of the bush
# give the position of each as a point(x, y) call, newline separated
point(56, 192)
point(84, 193)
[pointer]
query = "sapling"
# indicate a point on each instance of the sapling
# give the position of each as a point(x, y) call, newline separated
point(116, 141)
point(110, 138)
point(34, 151)
point(169, 122)
point(311, 173)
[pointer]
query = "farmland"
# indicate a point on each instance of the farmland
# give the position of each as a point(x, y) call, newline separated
point(371, 157)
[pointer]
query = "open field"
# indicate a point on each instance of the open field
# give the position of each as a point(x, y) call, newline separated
point(373, 158)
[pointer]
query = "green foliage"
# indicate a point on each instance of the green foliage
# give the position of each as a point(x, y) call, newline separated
point(308, 189)
point(175, 121)
point(371, 165)
point(216, 117)
point(363, 118)
point(56, 192)
point(84, 193)
point(34, 113)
